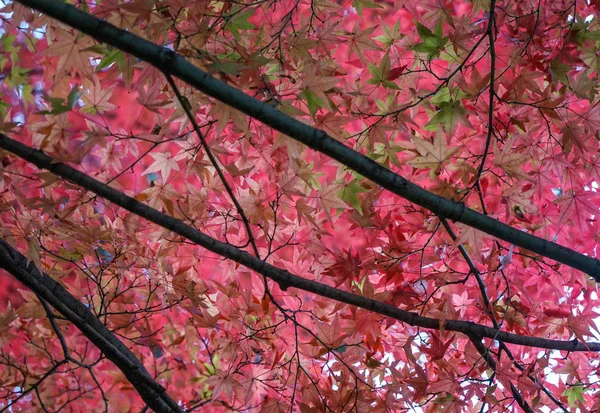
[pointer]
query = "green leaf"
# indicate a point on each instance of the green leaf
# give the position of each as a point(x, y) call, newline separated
point(286, 106)
point(230, 68)
point(592, 34)
point(27, 93)
point(256, 60)
point(575, 394)
point(110, 58)
point(313, 101)
point(375, 72)
point(359, 5)
point(209, 368)
point(59, 105)
point(433, 42)
point(341, 348)
point(380, 73)
point(360, 285)
point(438, 30)
point(446, 95)
point(443, 96)
point(239, 21)
point(450, 115)
point(390, 85)
point(559, 71)
point(7, 42)
point(4, 107)
point(424, 32)
point(18, 76)
point(390, 34)
point(349, 194)
point(74, 96)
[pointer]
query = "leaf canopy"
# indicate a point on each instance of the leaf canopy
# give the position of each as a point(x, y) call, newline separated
point(314, 286)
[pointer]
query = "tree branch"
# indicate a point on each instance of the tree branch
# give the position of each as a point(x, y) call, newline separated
point(43, 161)
point(71, 308)
point(170, 62)
point(481, 348)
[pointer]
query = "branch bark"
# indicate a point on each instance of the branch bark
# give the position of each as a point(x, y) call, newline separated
point(282, 277)
point(71, 308)
point(171, 63)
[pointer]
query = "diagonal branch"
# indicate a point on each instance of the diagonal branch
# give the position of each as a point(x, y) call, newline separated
point(215, 163)
point(489, 311)
point(481, 349)
point(282, 277)
point(171, 63)
point(71, 308)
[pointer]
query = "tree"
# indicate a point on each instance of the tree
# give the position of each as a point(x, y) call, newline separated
point(299, 206)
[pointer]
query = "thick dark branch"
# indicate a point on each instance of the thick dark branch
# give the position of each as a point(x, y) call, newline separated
point(43, 161)
point(171, 63)
point(71, 308)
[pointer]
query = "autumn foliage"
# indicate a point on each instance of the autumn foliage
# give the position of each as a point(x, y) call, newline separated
point(267, 276)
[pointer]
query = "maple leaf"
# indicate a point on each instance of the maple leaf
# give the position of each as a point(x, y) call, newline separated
point(223, 383)
point(6, 318)
point(72, 51)
point(31, 309)
point(151, 97)
point(314, 90)
point(163, 163)
point(382, 74)
point(475, 84)
point(219, 333)
point(432, 155)
point(470, 237)
point(142, 8)
point(349, 194)
point(584, 87)
point(582, 324)
point(437, 348)
point(329, 199)
point(510, 160)
point(226, 113)
point(160, 196)
point(95, 98)
point(462, 302)
point(359, 5)
point(448, 403)
point(525, 81)
point(59, 105)
point(333, 125)
point(239, 21)
point(390, 34)
point(360, 41)
point(450, 114)
point(433, 42)
point(578, 208)
point(331, 333)
point(573, 136)
point(305, 212)
point(572, 368)
point(575, 395)
point(559, 71)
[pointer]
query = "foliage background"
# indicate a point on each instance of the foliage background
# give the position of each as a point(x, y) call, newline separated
point(488, 103)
